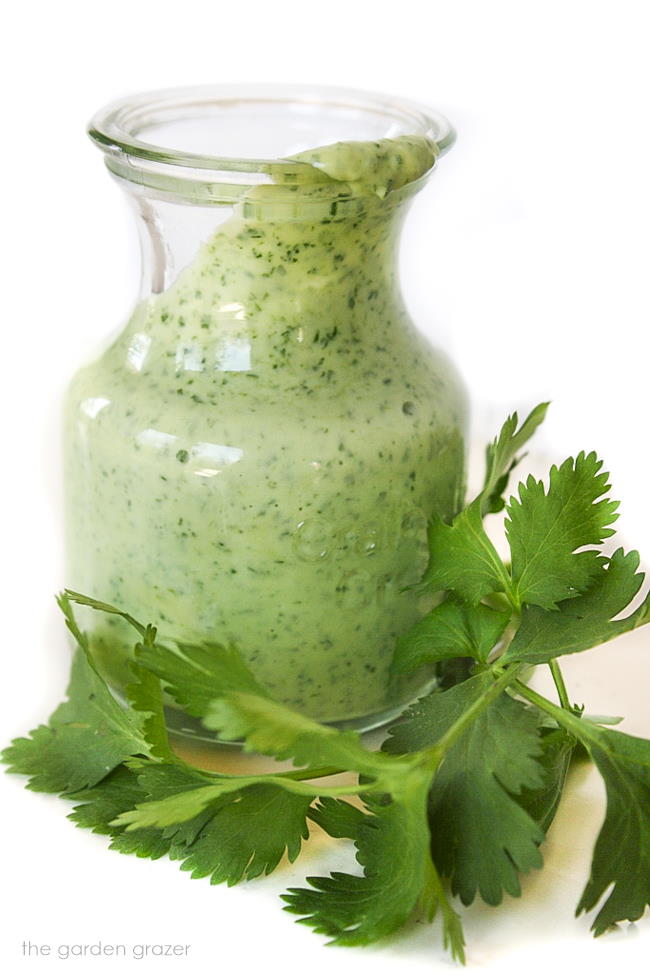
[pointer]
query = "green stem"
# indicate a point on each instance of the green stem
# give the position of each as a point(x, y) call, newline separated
point(312, 773)
point(451, 925)
point(564, 717)
point(295, 776)
point(560, 685)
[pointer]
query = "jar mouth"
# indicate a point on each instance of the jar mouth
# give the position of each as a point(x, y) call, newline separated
point(208, 144)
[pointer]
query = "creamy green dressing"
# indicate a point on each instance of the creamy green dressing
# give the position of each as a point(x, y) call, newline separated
point(254, 459)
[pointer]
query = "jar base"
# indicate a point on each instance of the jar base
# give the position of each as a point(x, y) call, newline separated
point(184, 728)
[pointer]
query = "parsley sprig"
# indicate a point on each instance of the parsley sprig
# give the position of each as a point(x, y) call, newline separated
point(457, 801)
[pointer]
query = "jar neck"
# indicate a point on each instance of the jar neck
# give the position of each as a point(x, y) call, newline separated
point(265, 294)
point(321, 245)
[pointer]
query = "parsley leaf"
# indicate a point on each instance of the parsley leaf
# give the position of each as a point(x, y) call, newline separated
point(451, 629)
point(583, 621)
point(481, 837)
point(545, 528)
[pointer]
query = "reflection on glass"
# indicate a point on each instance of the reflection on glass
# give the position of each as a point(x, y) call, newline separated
point(92, 406)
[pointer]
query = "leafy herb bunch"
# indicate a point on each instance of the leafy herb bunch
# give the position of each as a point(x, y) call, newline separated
point(457, 801)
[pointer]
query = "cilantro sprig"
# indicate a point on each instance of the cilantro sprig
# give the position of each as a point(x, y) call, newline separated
point(457, 802)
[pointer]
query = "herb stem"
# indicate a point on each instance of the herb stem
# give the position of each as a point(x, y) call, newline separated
point(297, 775)
point(312, 773)
point(564, 717)
point(558, 679)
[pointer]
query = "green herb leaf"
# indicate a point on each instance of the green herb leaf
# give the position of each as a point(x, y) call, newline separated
point(469, 778)
point(337, 817)
point(451, 629)
point(273, 729)
point(463, 559)
point(116, 793)
point(500, 457)
point(87, 736)
point(393, 849)
point(622, 853)
point(194, 675)
point(545, 528)
point(70, 596)
point(248, 836)
point(240, 831)
point(240, 835)
point(541, 803)
point(144, 695)
point(119, 791)
point(481, 837)
point(584, 621)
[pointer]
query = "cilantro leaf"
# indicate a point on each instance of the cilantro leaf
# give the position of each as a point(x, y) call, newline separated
point(273, 729)
point(194, 675)
point(480, 836)
point(192, 802)
point(500, 457)
point(338, 818)
point(119, 791)
point(144, 694)
point(214, 683)
point(393, 849)
point(70, 596)
point(87, 736)
point(545, 528)
point(240, 833)
point(159, 782)
point(451, 629)
point(622, 852)
point(463, 558)
point(243, 834)
point(248, 836)
point(488, 574)
point(541, 803)
point(583, 621)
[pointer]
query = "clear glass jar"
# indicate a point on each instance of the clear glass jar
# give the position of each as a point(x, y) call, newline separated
point(254, 458)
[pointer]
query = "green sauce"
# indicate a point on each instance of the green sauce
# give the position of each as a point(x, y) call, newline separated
point(255, 457)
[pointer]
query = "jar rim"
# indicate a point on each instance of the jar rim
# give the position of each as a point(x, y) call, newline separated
point(117, 124)
point(119, 130)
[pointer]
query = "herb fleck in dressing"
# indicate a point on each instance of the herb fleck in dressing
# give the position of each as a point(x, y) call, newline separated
point(255, 458)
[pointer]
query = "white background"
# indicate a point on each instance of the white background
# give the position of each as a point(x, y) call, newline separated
point(527, 257)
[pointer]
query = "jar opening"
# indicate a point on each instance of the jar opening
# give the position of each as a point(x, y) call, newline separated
point(207, 144)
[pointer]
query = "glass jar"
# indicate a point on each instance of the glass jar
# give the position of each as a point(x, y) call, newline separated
point(253, 460)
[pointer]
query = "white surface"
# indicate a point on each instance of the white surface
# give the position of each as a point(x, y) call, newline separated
point(527, 256)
